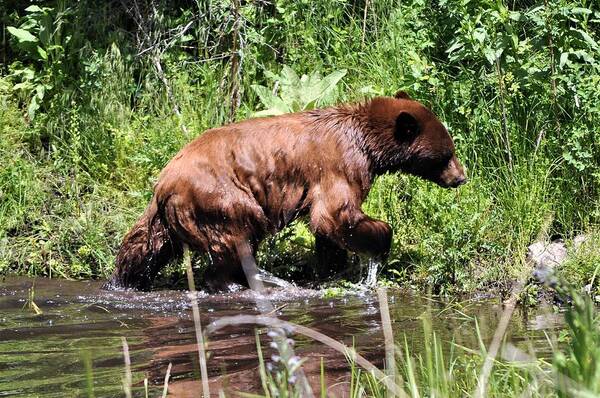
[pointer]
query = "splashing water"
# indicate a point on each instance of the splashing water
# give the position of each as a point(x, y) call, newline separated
point(271, 280)
point(372, 267)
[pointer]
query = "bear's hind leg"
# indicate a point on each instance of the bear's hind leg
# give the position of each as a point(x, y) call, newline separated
point(225, 270)
point(145, 250)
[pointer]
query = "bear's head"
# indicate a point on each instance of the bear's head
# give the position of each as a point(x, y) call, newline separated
point(406, 136)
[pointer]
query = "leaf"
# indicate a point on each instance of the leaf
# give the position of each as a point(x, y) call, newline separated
point(515, 40)
point(22, 35)
point(321, 88)
point(281, 106)
point(564, 57)
point(34, 8)
point(45, 36)
point(264, 94)
point(581, 10)
point(515, 15)
point(272, 76)
point(289, 77)
point(294, 106)
point(40, 90)
point(42, 53)
point(310, 105)
point(490, 55)
point(479, 35)
point(457, 45)
point(58, 47)
point(274, 104)
point(28, 73)
point(330, 81)
point(23, 86)
point(33, 107)
point(585, 56)
point(587, 38)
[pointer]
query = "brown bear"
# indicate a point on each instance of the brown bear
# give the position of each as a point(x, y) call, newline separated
point(243, 181)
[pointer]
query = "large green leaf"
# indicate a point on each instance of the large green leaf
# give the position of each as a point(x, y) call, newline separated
point(290, 88)
point(22, 35)
point(587, 38)
point(564, 58)
point(297, 93)
point(264, 94)
point(330, 81)
point(274, 104)
point(33, 107)
point(581, 10)
point(319, 89)
point(289, 77)
point(42, 53)
point(26, 86)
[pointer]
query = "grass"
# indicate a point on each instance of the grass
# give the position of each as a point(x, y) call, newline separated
point(76, 176)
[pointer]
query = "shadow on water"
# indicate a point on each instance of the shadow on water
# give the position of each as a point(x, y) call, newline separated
point(45, 355)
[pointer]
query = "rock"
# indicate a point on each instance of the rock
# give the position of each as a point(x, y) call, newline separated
point(545, 257)
point(547, 254)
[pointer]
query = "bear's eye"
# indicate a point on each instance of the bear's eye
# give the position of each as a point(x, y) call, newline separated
point(444, 159)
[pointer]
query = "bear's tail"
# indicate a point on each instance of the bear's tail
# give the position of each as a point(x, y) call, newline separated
point(146, 248)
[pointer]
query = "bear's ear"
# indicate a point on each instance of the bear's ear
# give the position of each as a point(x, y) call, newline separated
point(401, 95)
point(407, 126)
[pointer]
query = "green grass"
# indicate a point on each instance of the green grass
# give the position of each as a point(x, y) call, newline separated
point(74, 178)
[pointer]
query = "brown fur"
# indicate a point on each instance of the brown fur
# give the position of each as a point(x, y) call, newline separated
point(246, 180)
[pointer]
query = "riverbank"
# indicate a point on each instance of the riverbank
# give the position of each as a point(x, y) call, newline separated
point(90, 115)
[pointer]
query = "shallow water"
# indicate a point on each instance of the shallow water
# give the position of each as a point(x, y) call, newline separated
point(77, 340)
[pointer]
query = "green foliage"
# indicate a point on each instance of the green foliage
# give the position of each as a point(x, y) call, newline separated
point(578, 367)
point(39, 40)
point(582, 268)
point(87, 123)
point(297, 93)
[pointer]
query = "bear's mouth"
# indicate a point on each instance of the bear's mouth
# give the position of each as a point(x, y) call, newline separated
point(442, 182)
point(453, 183)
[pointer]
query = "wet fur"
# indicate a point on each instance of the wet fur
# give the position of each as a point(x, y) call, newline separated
point(247, 180)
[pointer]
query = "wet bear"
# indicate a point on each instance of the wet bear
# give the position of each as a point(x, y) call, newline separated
point(241, 182)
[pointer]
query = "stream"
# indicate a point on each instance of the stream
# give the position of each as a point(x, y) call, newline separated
point(75, 344)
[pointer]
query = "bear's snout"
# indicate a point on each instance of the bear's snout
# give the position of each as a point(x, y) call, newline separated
point(459, 181)
point(454, 174)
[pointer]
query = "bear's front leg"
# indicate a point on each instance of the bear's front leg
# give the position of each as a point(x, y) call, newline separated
point(339, 218)
point(367, 235)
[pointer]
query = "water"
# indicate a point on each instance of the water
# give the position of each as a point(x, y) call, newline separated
point(372, 267)
point(45, 355)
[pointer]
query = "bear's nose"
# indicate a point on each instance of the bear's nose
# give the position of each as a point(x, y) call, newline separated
point(459, 181)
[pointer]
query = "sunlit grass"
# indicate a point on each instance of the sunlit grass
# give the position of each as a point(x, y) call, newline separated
point(75, 178)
